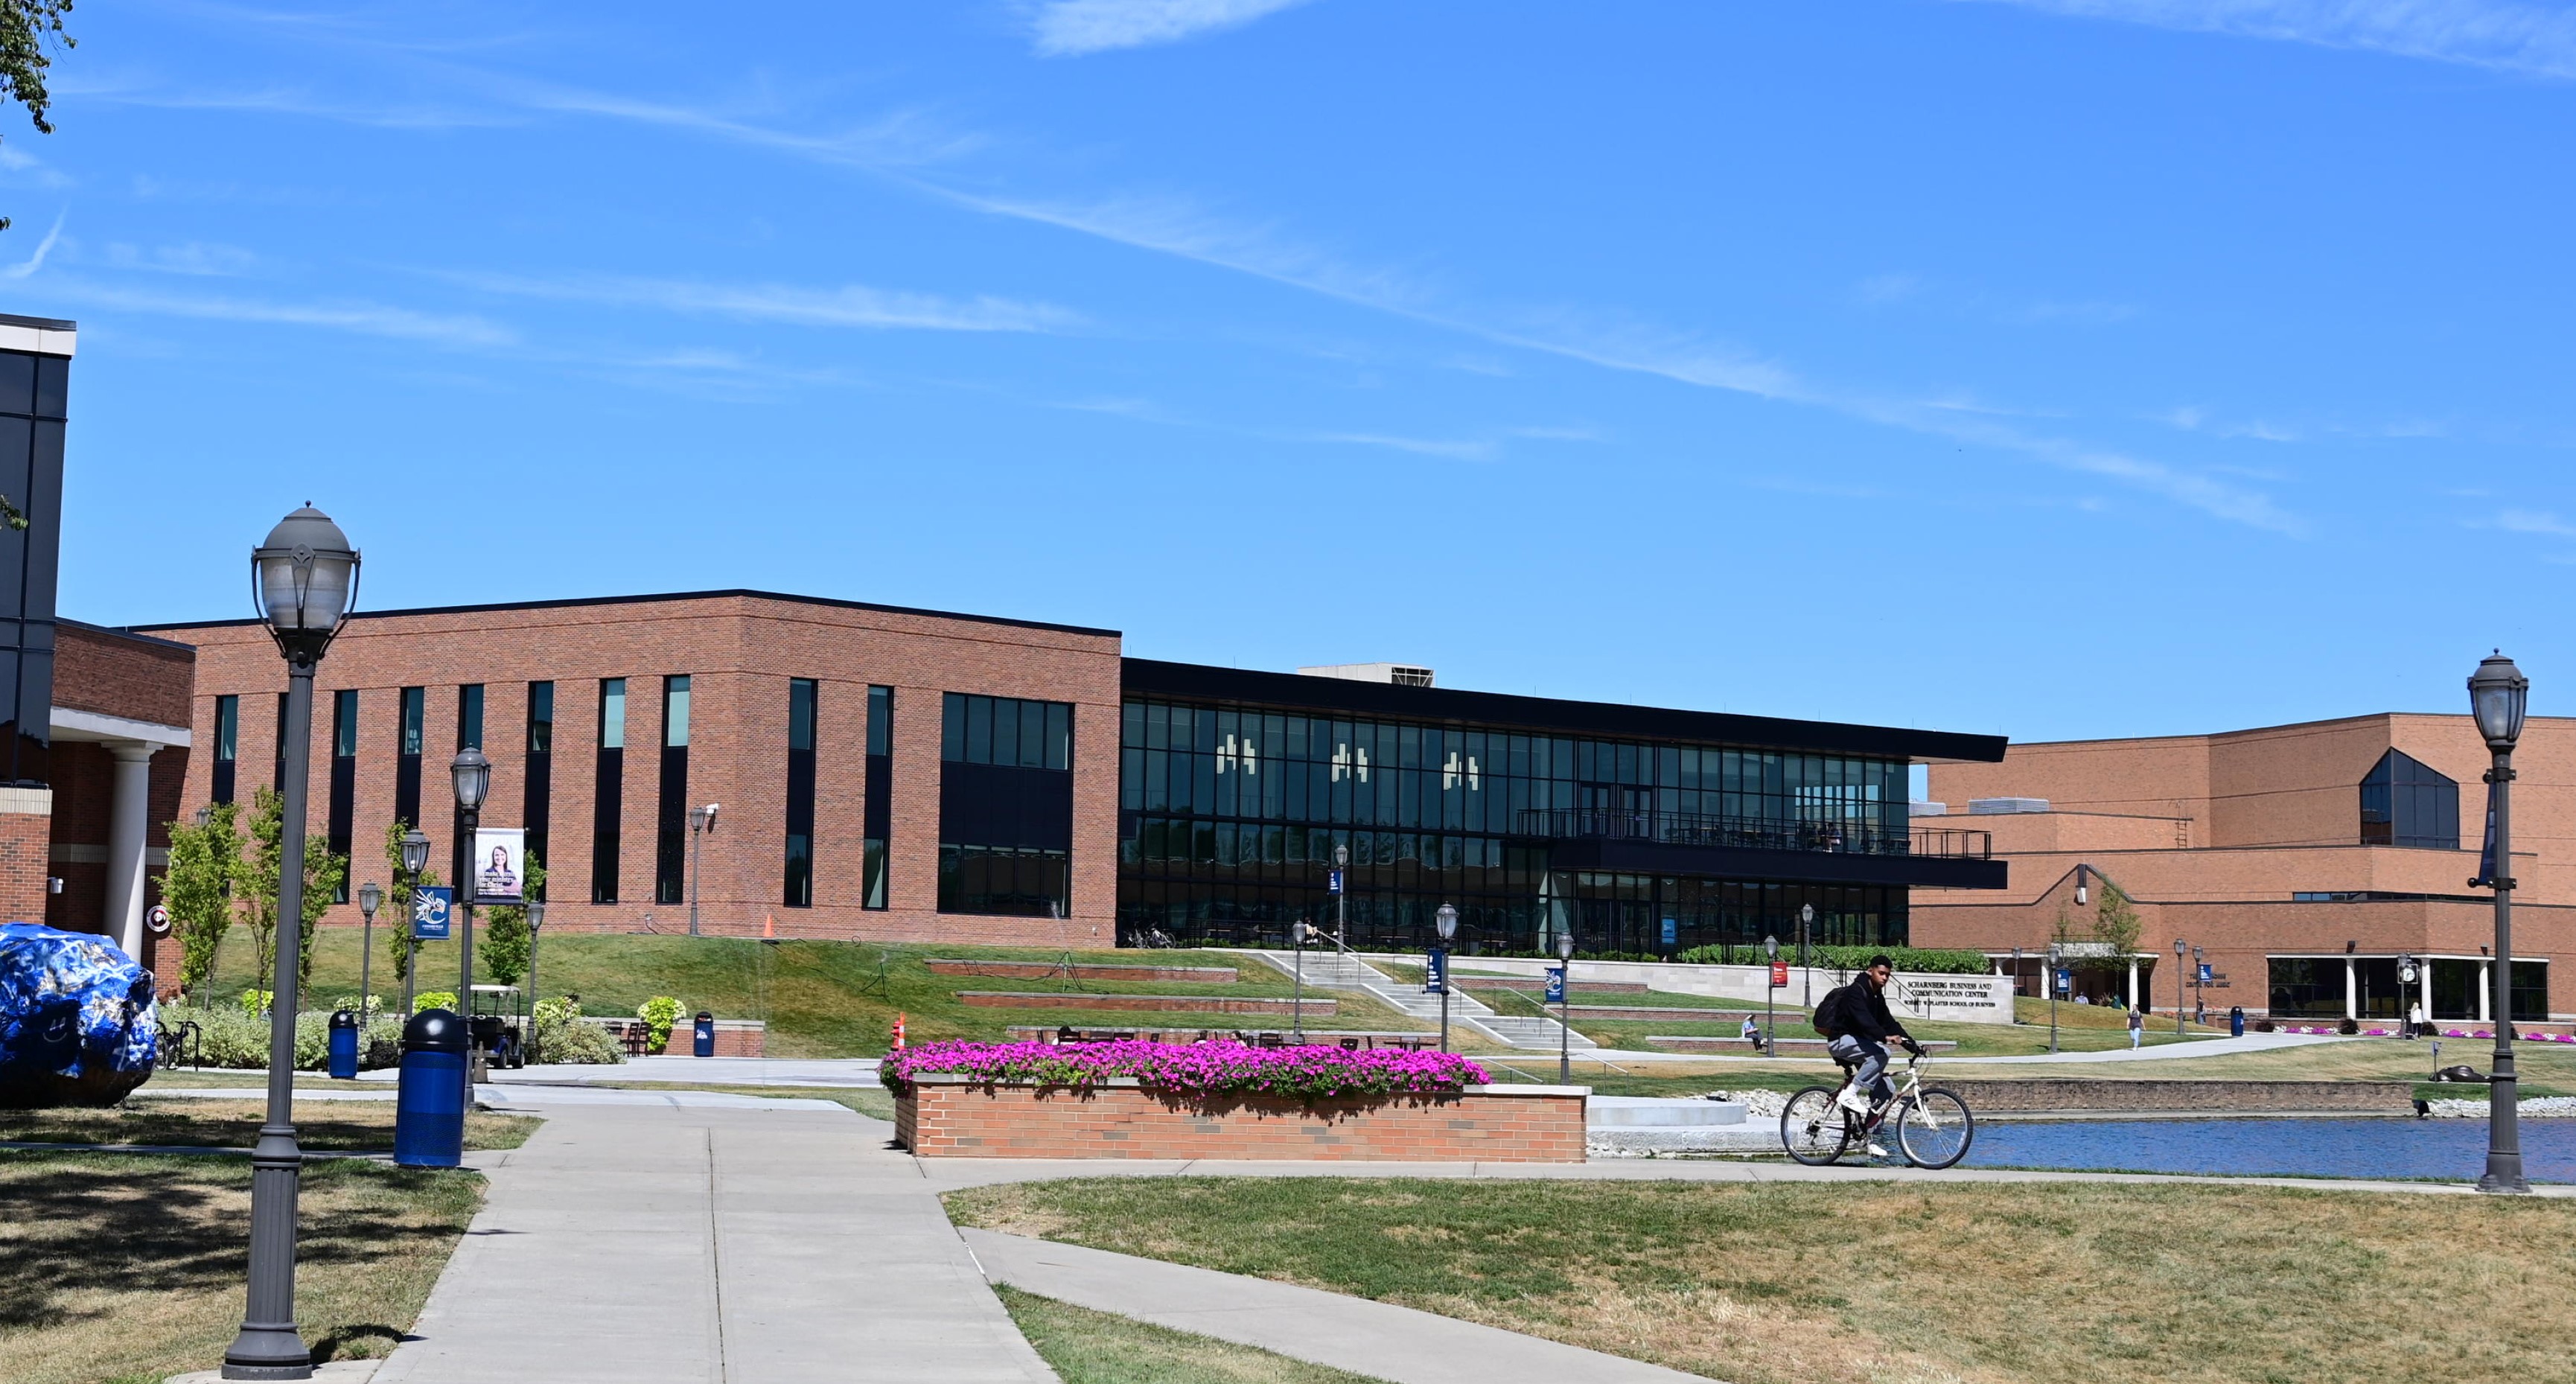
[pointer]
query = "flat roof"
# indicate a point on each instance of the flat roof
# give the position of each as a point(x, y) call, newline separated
point(42, 324)
point(1546, 715)
point(661, 596)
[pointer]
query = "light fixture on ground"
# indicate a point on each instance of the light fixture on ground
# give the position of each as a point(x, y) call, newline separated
point(2182, 951)
point(415, 858)
point(472, 775)
point(536, 925)
point(1564, 1002)
point(305, 578)
point(701, 821)
point(1446, 922)
point(371, 897)
point(2498, 693)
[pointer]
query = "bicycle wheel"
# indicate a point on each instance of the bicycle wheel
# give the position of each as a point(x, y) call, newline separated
point(1935, 1129)
point(1812, 1127)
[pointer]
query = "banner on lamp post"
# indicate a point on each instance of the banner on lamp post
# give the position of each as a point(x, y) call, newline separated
point(431, 906)
point(500, 864)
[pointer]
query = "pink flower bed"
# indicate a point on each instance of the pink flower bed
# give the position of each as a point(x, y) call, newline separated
point(1210, 1068)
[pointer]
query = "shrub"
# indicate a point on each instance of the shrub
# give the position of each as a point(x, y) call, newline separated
point(428, 1000)
point(574, 1039)
point(658, 1014)
point(2348, 1027)
point(1916, 960)
point(254, 1002)
point(2262, 1025)
point(1210, 1068)
point(231, 1038)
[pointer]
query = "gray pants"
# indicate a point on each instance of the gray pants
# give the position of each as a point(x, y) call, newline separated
point(1872, 1058)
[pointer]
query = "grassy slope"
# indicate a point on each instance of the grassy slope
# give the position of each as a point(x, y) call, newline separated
point(1088, 1347)
point(826, 999)
point(128, 1268)
point(1975, 1282)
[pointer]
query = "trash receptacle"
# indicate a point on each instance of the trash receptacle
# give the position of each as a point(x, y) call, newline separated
point(344, 1045)
point(2236, 1022)
point(702, 1041)
point(429, 1105)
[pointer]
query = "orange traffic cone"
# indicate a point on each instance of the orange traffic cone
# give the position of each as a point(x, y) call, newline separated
point(898, 1030)
point(769, 927)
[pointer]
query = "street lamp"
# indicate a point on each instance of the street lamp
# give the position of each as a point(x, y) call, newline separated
point(2407, 974)
point(2181, 950)
point(415, 858)
point(1446, 921)
point(305, 578)
point(1564, 989)
point(370, 898)
point(1770, 995)
point(1806, 920)
point(536, 923)
point(701, 821)
point(2056, 958)
point(1341, 899)
point(2199, 1004)
point(472, 775)
point(2497, 693)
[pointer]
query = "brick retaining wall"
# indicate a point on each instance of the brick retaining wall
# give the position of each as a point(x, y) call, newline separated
point(1186, 1004)
point(2036, 1096)
point(957, 1117)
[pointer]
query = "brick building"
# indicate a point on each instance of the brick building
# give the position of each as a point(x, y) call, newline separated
point(906, 774)
point(2307, 863)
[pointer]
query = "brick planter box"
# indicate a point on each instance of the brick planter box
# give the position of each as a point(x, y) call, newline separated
point(1181, 1004)
point(1082, 970)
point(951, 1116)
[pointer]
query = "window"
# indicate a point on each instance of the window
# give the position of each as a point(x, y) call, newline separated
point(344, 782)
point(280, 742)
point(2529, 993)
point(2405, 802)
point(671, 843)
point(411, 710)
point(608, 802)
point(227, 746)
point(469, 716)
point(800, 793)
point(2307, 987)
point(541, 769)
point(873, 891)
point(1005, 805)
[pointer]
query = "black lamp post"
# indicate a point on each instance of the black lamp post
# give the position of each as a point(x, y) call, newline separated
point(415, 858)
point(370, 898)
point(472, 775)
point(1770, 996)
point(305, 578)
point(2182, 950)
point(536, 924)
point(1446, 921)
point(701, 821)
point(1564, 990)
point(1807, 963)
point(2497, 694)
point(2056, 958)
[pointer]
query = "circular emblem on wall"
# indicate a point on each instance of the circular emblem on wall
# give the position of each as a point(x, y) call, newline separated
point(158, 919)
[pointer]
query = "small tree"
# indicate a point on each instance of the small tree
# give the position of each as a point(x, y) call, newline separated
point(2116, 924)
point(202, 863)
point(506, 940)
point(264, 870)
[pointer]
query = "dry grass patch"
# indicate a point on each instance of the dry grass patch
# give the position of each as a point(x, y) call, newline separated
point(1088, 1347)
point(125, 1268)
point(320, 1126)
point(1968, 1282)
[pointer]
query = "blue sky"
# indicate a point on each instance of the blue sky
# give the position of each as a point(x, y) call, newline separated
point(2062, 368)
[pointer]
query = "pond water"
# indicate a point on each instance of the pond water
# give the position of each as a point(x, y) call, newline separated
point(2450, 1149)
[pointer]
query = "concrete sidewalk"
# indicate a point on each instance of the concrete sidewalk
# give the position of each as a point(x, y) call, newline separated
point(1376, 1339)
point(758, 1244)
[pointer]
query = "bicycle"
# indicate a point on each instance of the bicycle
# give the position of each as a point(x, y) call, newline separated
point(1933, 1127)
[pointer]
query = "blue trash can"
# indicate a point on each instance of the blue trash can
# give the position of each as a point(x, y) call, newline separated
point(2236, 1022)
point(344, 1045)
point(429, 1107)
point(702, 1041)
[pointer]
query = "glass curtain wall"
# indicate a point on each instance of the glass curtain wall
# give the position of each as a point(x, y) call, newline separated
point(1229, 818)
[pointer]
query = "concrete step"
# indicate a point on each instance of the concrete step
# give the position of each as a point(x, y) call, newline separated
point(1660, 1112)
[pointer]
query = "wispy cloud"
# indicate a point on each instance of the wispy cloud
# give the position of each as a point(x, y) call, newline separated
point(1461, 450)
point(36, 261)
point(2536, 521)
point(368, 319)
point(851, 305)
point(195, 258)
point(2200, 420)
point(2509, 38)
point(1071, 28)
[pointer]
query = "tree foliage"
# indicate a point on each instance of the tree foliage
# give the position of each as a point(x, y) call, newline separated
point(26, 27)
point(263, 870)
point(196, 886)
point(2116, 924)
point(506, 939)
point(400, 946)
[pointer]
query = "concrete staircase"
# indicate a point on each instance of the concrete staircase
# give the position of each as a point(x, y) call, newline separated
point(1329, 968)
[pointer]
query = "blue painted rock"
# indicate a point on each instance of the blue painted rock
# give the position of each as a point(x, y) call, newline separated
point(78, 1025)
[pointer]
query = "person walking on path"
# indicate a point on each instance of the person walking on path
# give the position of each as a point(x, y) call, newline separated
point(2137, 1026)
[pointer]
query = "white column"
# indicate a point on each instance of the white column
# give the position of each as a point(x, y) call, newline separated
point(2486, 992)
point(127, 814)
point(2133, 982)
point(2351, 990)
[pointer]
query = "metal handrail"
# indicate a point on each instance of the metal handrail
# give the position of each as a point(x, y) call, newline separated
point(1754, 833)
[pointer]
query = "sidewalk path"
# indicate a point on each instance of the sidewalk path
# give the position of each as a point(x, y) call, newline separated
point(1376, 1339)
point(2157, 1052)
point(702, 1244)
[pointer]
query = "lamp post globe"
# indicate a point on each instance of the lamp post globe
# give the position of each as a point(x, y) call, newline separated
point(371, 896)
point(415, 853)
point(473, 777)
point(1445, 922)
point(304, 580)
point(2497, 694)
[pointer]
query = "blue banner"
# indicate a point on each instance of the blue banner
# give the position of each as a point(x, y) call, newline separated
point(1556, 985)
point(1332, 881)
point(1672, 933)
point(1435, 972)
point(2486, 853)
point(2065, 981)
point(2204, 973)
point(430, 909)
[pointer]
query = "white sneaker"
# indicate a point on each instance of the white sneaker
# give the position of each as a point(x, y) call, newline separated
point(1853, 1099)
point(1875, 1151)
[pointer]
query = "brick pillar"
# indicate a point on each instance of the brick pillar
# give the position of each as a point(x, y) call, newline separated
point(26, 850)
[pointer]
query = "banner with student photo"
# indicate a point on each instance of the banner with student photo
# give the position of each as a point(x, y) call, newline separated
point(500, 864)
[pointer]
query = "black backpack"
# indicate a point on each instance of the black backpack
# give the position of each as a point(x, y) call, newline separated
point(1826, 1012)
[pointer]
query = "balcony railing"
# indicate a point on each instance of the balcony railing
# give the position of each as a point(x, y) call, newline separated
point(1755, 833)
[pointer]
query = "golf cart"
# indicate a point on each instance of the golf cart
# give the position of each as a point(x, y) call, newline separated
point(493, 1025)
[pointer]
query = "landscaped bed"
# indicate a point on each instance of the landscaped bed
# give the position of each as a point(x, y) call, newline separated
point(1981, 1283)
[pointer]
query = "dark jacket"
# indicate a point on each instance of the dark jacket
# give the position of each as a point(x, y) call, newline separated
point(1859, 1010)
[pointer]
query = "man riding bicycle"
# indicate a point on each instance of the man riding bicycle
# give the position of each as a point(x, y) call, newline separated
point(1856, 1023)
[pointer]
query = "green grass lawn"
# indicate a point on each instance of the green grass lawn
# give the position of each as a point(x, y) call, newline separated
point(127, 1268)
point(1088, 1347)
point(826, 999)
point(1977, 1283)
point(320, 1126)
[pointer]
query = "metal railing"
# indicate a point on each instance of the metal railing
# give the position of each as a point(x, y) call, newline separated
point(1754, 833)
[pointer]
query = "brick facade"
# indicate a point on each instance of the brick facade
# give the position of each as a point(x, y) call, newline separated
point(740, 649)
point(26, 837)
point(109, 673)
point(956, 1117)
